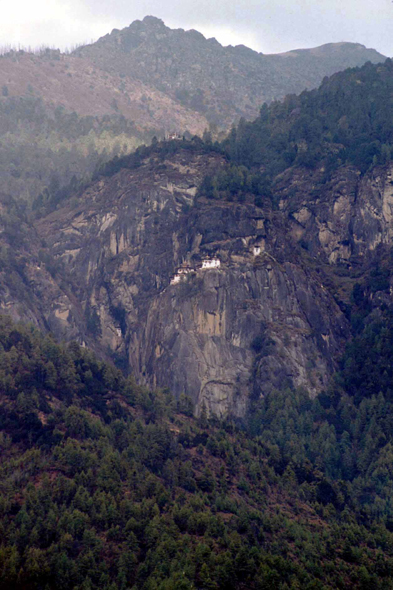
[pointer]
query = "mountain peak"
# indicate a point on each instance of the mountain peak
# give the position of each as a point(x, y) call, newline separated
point(154, 21)
point(210, 79)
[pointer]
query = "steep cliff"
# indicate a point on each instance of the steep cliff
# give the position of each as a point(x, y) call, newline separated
point(33, 284)
point(260, 320)
point(268, 316)
point(344, 219)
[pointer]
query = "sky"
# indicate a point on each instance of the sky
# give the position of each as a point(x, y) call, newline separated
point(270, 26)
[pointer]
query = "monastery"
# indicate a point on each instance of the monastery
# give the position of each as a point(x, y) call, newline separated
point(207, 263)
point(183, 271)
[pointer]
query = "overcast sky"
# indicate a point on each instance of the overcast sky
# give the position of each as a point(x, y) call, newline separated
point(269, 26)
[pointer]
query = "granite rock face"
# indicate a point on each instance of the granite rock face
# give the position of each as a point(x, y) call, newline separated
point(259, 321)
point(131, 281)
point(345, 219)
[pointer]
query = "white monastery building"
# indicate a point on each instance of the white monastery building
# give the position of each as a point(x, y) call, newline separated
point(210, 263)
point(182, 272)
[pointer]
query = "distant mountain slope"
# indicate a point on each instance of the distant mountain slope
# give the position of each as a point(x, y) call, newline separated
point(223, 83)
point(78, 85)
point(62, 115)
point(334, 55)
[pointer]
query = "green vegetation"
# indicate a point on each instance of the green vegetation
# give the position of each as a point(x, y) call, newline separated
point(106, 485)
point(47, 153)
point(235, 183)
point(347, 121)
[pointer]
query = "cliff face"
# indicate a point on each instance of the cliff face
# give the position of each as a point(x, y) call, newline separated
point(343, 220)
point(30, 287)
point(242, 330)
point(104, 271)
point(260, 320)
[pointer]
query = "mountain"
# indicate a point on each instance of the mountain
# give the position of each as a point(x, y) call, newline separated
point(62, 115)
point(295, 208)
point(106, 485)
point(199, 396)
point(222, 83)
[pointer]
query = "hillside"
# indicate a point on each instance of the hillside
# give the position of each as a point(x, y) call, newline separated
point(60, 118)
point(107, 485)
point(222, 83)
point(75, 84)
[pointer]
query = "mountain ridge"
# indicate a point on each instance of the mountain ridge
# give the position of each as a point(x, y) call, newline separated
point(216, 70)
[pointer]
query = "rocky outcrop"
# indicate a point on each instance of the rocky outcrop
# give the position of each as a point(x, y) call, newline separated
point(256, 302)
point(260, 320)
point(343, 219)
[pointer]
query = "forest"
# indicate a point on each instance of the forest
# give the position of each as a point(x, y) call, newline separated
point(348, 120)
point(47, 153)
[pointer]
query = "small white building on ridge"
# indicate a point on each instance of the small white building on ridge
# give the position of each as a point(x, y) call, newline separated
point(210, 263)
point(184, 271)
point(172, 136)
